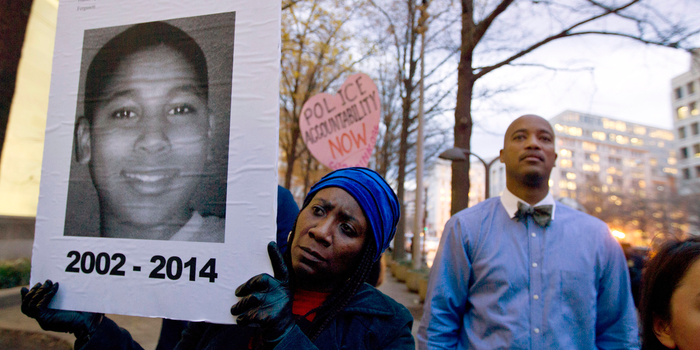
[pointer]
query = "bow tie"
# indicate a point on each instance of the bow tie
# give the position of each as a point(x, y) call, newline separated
point(541, 214)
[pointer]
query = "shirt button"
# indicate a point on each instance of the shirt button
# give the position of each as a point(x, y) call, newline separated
point(534, 264)
point(533, 234)
point(535, 297)
point(537, 330)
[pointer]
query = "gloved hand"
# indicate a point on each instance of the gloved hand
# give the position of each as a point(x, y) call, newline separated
point(267, 301)
point(35, 304)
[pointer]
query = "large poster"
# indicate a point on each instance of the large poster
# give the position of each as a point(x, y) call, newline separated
point(159, 180)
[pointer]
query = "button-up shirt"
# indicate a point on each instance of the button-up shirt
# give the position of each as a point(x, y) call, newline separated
point(497, 283)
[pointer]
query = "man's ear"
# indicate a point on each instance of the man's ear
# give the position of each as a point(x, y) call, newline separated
point(212, 124)
point(83, 149)
point(500, 156)
point(662, 330)
point(555, 160)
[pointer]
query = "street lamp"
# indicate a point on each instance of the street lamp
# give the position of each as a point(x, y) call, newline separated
point(462, 155)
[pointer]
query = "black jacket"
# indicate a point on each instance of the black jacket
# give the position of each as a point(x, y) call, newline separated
point(371, 320)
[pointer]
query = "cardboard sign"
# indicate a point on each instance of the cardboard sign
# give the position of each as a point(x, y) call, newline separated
point(341, 130)
point(159, 179)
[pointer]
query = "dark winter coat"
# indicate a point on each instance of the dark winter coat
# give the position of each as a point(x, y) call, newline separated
point(371, 320)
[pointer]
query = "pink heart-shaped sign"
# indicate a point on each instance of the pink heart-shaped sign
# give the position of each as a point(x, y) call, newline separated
point(341, 130)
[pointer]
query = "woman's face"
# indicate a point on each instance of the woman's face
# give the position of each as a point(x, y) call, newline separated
point(683, 332)
point(330, 233)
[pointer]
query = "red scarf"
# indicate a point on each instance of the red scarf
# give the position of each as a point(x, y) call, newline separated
point(305, 301)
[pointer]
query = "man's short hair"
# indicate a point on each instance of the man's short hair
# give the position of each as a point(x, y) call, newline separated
point(138, 38)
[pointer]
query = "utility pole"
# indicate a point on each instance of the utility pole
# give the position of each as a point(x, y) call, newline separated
point(418, 216)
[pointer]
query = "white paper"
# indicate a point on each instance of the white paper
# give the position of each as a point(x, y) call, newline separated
point(185, 181)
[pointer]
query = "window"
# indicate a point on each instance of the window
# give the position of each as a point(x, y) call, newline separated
point(566, 153)
point(686, 173)
point(684, 153)
point(694, 128)
point(614, 160)
point(694, 109)
point(681, 132)
point(679, 93)
point(640, 130)
point(696, 150)
point(571, 130)
point(697, 171)
point(591, 167)
point(682, 112)
point(593, 157)
point(569, 142)
point(621, 139)
point(691, 88)
point(662, 134)
point(589, 146)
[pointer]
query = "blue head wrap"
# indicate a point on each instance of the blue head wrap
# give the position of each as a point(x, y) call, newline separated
point(377, 200)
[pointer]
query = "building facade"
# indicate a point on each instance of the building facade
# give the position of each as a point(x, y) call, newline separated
point(685, 101)
point(622, 172)
point(439, 193)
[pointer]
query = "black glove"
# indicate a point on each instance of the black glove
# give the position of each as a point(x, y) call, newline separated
point(267, 301)
point(35, 304)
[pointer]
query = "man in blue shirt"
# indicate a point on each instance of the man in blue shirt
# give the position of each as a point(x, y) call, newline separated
point(509, 276)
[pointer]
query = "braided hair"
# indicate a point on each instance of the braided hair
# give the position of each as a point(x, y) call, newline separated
point(380, 207)
point(340, 297)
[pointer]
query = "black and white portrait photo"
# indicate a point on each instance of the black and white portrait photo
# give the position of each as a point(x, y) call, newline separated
point(151, 136)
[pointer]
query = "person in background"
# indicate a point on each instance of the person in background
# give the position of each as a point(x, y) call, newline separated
point(670, 304)
point(635, 266)
point(525, 272)
point(317, 297)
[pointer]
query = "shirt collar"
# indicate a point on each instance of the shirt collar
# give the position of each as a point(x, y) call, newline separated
point(510, 203)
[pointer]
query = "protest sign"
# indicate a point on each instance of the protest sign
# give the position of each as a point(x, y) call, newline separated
point(341, 130)
point(159, 179)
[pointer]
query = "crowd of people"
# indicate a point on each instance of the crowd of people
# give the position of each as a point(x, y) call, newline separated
point(519, 271)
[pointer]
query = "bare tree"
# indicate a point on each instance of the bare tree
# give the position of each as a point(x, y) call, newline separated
point(501, 33)
point(317, 52)
point(401, 58)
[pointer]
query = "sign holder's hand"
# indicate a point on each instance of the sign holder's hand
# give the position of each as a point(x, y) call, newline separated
point(35, 304)
point(267, 301)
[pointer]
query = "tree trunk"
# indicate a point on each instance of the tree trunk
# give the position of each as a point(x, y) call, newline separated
point(291, 156)
point(463, 110)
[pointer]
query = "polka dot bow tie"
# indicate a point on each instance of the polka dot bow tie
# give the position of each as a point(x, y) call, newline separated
point(542, 214)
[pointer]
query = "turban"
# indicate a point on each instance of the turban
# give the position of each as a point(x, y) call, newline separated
point(377, 200)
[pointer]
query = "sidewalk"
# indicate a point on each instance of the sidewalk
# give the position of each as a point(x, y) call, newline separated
point(146, 330)
point(400, 293)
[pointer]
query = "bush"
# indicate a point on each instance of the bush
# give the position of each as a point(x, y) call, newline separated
point(14, 273)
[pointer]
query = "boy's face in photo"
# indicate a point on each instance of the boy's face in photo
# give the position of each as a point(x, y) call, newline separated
point(148, 141)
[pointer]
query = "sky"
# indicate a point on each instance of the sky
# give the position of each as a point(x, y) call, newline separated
point(628, 81)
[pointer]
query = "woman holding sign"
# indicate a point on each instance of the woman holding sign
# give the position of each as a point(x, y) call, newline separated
point(317, 298)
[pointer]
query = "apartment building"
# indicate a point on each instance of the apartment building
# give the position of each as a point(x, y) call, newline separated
point(685, 101)
point(622, 172)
